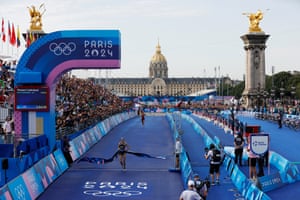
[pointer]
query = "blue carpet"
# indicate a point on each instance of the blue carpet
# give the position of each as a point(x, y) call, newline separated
point(283, 141)
point(145, 178)
point(148, 178)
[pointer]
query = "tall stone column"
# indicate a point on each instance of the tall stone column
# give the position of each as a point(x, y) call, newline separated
point(254, 45)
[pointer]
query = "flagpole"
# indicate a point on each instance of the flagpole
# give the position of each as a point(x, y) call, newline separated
point(7, 47)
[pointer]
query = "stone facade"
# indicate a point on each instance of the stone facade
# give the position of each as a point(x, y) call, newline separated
point(158, 83)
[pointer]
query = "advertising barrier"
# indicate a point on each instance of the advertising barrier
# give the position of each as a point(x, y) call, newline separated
point(36, 179)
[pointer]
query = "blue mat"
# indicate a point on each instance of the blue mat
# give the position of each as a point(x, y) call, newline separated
point(147, 178)
point(283, 141)
point(144, 178)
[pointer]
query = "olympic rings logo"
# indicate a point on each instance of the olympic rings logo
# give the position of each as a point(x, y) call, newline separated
point(62, 48)
point(115, 193)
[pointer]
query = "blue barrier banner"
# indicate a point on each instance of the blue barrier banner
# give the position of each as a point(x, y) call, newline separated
point(253, 193)
point(18, 189)
point(5, 194)
point(74, 151)
point(60, 160)
point(101, 128)
point(278, 161)
point(97, 133)
point(84, 142)
point(47, 169)
point(92, 137)
point(33, 183)
point(271, 182)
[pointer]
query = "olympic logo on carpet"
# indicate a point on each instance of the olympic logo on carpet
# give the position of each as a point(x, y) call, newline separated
point(114, 189)
point(62, 48)
point(115, 193)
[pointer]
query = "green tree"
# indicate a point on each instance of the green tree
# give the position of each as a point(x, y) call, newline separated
point(286, 80)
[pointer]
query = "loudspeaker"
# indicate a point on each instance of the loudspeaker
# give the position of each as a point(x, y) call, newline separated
point(5, 163)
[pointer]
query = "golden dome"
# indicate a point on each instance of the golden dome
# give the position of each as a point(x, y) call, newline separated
point(158, 57)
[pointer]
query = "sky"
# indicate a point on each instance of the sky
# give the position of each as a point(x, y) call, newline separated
point(196, 36)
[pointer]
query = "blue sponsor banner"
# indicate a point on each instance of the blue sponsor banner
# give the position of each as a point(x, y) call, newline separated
point(18, 189)
point(75, 152)
point(97, 132)
point(47, 169)
point(271, 182)
point(60, 160)
point(33, 183)
point(75, 45)
point(5, 194)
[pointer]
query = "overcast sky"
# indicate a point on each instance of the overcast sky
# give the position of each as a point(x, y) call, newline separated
point(196, 36)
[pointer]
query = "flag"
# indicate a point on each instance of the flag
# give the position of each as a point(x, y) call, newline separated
point(13, 35)
point(28, 42)
point(18, 37)
point(9, 32)
point(3, 31)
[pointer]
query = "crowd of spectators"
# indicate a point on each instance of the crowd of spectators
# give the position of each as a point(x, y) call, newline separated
point(6, 84)
point(81, 103)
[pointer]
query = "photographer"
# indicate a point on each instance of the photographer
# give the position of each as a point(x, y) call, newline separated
point(201, 186)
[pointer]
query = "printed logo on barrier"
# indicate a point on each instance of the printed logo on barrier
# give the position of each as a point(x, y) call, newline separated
point(116, 189)
point(259, 143)
point(62, 48)
point(20, 192)
point(18, 189)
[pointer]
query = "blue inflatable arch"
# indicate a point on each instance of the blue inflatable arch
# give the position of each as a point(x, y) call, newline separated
point(45, 61)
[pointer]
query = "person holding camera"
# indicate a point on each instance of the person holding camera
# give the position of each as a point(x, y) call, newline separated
point(201, 186)
point(190, 193)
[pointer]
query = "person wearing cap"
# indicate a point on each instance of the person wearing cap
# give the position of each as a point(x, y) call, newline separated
point(200, 186)
point(189, 193)
point(122, 149)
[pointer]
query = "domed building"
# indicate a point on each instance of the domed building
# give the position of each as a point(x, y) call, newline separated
point(158, 83)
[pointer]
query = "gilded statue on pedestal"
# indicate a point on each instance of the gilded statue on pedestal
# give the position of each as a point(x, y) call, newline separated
point(254, 19)
point(36, 17)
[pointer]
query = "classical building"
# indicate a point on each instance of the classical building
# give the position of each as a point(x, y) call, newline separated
point(158, 83)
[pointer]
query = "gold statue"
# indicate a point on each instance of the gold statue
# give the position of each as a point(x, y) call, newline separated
point(36, 17)
point(254, 19)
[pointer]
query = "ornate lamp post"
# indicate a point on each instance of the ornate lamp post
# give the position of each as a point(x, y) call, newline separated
point(293, 92)
point(265, 94)
point(282, 95)
point(273, 95)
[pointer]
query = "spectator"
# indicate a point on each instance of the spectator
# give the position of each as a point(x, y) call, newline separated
point(238, 148)
point(66, 149)
point(8, 129)
point(81, 103)
point(201, 186)
point(189, 193)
